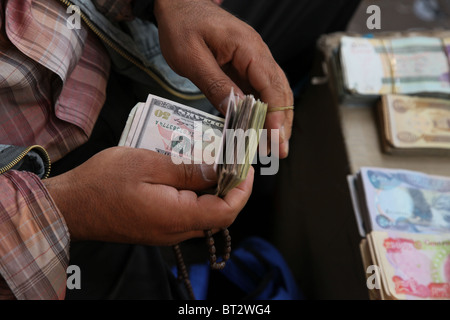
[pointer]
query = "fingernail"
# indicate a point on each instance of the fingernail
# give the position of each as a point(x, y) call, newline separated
point(208, 172)
point(286, 148)
point(282, 134)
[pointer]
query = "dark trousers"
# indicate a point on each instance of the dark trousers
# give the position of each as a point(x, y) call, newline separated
point(121, 271)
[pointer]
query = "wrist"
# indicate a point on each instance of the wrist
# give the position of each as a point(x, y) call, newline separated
point(162, 6)
point(63, 196)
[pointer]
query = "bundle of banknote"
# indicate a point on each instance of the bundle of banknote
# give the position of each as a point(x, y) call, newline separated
point(192, 136)
point(414, 125)
point(404, 219)
point(365, 68)
point(405, 266)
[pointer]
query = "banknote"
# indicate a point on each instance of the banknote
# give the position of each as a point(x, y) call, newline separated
point(244, 120)
point(412, 266)
point(419, 64)
point(365, 66)
point(192, 136)
point(403, 200)
point(172, 129)
point(377, 66)
point(416, 124)
point(446, 43)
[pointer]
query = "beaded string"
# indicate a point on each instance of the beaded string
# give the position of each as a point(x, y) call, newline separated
point(215, 265)
point(183, 275)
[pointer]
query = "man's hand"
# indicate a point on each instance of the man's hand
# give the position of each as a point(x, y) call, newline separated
point(217, 51)
point(139, 196)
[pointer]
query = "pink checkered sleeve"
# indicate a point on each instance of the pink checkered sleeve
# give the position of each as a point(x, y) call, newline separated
point(34, 240)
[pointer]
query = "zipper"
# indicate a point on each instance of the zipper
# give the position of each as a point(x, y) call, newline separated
point(42, 152)
point(131, 59)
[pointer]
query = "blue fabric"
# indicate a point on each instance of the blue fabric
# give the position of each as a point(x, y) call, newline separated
point(257, 268)
point(271, 277)
point(32, 161)
point(142, 43)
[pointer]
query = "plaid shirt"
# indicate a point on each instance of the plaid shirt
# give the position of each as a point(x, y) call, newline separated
point(52, 87)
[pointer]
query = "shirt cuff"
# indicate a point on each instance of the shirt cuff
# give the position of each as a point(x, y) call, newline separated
point(34, 239)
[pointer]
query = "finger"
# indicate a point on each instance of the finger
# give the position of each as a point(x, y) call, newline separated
point(163, 170)
point(193, 213)
point(269, 80)
point(278, 94)
point(283, 122)
point(211, 79)
point(228, 208)
point(183, 236)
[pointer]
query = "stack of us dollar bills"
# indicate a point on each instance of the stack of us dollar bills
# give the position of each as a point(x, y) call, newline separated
point(404, 220)
point(192, 136)
point(414, 125)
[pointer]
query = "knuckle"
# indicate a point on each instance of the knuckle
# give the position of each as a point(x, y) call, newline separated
point(280, 84)
point(216, 87)
point(252, 34)
point(186, 174)
point(182, 174)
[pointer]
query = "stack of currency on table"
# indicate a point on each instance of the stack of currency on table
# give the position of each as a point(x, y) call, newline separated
point(362, 69)
point(414, 125)
point(398, 65)
point(404, 219)
point(189, 135)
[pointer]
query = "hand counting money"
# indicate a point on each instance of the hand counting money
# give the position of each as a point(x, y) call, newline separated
point(190, 135)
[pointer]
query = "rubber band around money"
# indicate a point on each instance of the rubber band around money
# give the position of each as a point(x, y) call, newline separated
point(280, 109)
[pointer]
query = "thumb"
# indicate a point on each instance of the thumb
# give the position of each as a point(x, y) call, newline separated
point(163, 170)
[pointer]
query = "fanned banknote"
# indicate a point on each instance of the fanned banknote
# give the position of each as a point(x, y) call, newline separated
point(411, 266)
point(192, 136)
point(415, 125)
